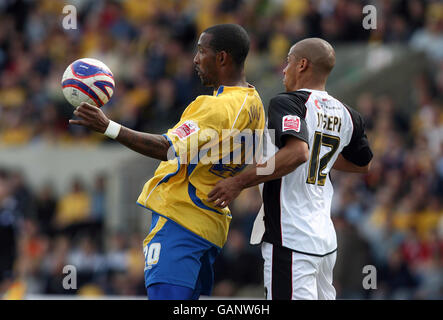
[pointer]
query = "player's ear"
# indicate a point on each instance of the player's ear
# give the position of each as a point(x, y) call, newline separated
point(222, 58)
point(303, 64)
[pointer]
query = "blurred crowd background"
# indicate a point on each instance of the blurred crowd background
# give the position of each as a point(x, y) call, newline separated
point(391, 218)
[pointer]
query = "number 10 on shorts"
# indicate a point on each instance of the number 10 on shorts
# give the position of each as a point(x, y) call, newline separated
point(152, 254)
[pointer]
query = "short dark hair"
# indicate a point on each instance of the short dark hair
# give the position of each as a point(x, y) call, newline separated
point(231, 38)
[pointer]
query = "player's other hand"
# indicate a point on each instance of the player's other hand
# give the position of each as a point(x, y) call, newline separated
point(224, 192)
point(90, 117)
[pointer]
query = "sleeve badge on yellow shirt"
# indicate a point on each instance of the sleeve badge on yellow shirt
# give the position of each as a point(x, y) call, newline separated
point(188, 128)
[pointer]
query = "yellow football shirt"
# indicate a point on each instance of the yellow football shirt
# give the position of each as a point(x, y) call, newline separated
point(207, 144)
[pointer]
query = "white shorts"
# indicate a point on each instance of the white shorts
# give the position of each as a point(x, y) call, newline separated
point(289, 275)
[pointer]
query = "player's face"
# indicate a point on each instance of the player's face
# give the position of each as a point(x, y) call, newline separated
point(204, 61)
point(290, 74)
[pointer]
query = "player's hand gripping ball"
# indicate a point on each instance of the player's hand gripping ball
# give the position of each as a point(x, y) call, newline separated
point(88, 80)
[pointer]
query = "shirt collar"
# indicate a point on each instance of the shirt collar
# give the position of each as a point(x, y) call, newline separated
point(223, 89)
point(311, 90)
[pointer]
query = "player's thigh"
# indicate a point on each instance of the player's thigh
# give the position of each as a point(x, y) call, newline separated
point(304, 276)
point(326, 290)
point(288, 275)
point(205, 280)
point(172, 254)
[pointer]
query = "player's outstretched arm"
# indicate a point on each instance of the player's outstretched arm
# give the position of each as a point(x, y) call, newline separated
point(151, 145)
point(287, 159)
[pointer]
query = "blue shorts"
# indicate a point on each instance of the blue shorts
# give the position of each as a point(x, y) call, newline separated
point(177, 256)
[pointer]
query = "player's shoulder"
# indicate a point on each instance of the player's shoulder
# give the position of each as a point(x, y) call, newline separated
point(299, 94)
point(204, 98)
point(207, 104)
point(295, 100)
point(294, 97)
point(358, 122)
point(356, 116)
point(221, 101)
point(201, 106)
point(210, 110)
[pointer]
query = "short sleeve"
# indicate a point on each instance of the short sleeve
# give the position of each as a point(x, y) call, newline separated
point(286, 115)
point(358, 151)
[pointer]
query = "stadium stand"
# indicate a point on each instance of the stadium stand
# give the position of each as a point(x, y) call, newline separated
point(391, 218)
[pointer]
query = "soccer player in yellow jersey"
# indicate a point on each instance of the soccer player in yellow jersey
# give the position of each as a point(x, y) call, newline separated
point(187, 232)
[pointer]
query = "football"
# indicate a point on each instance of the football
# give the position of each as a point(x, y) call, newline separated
point(88, 80)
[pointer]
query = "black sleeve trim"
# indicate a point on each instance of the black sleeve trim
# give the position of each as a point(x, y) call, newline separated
point(357, 151)
point(293, 134)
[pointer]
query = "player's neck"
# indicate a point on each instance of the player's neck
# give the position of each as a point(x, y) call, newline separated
point(313, 86)
point(236, 80)
point(310, 83)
